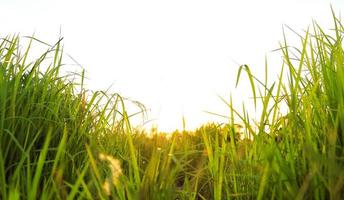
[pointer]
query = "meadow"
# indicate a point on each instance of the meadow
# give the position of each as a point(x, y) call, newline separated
point(59, 140)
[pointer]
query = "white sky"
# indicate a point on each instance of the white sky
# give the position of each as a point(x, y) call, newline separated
point(176, 57)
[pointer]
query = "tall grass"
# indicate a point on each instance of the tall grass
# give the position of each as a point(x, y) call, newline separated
point(60, 141)
point(302, 154)
point(46, 121)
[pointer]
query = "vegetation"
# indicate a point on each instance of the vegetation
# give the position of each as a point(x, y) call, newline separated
point(60, 141)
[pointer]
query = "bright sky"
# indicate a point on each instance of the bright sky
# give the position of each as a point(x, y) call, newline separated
point(176, 57)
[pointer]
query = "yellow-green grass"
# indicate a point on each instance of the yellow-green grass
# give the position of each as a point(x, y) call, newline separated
point(61, 141)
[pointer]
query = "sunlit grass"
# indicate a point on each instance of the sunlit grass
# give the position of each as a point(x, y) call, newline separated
point(60, 141)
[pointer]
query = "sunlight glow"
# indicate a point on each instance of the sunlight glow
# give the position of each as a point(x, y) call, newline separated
point(175, 57)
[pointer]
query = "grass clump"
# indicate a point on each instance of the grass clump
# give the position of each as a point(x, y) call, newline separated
point(303, 155)
point(60, 141)
point(45, 123)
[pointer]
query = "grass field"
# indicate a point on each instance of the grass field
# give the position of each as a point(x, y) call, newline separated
point(60, 141)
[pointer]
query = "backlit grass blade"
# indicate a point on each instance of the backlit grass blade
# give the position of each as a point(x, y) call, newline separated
point(250, 77)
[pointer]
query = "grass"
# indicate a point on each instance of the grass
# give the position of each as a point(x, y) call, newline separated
point(60, 141)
